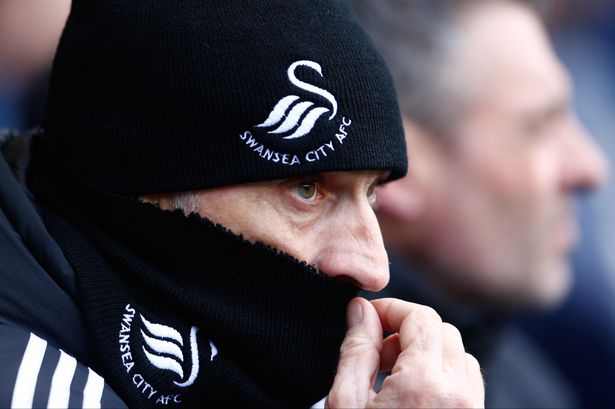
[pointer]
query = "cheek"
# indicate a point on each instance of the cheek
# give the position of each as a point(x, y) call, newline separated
point(525, 188)
point(545, 174)
point(446, 232)
point(277, 232)
point(512, 188)
point(511, 201)
point(300, 241)
point(260, 222)
point(482, 211)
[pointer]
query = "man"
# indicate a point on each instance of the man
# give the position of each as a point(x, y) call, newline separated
point(486, 215)
point(582, 35)
point(205, 177)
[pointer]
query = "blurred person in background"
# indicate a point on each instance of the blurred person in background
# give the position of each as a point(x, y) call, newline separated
point(584, 36)
point(29, 34)
point(482, 227)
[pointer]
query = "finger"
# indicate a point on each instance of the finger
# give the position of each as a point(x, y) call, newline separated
point(390, 352)
point(359, 357)
point(477, 383)
point(453, 351)
point(419, 327)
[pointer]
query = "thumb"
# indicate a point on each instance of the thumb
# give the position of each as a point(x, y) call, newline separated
point(359, 358)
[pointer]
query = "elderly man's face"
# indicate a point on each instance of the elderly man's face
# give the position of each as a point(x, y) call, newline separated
point(497, 217)
point(326, 220)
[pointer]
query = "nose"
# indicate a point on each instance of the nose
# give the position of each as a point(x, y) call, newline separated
point(585, 166)
point(356, 249)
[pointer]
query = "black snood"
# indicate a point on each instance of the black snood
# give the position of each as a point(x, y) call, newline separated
point(184, 312)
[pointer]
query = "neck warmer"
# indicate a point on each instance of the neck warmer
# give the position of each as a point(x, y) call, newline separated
point(185, 313)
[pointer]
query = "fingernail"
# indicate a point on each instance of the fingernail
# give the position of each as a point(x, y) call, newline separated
point(354, 313)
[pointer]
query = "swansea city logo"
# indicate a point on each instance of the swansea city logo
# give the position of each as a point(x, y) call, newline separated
point(163, 349)
point(159, 347)
point(293, 117)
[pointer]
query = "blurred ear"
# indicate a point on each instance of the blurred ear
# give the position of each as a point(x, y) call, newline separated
point(400, 201)
point(404, 200)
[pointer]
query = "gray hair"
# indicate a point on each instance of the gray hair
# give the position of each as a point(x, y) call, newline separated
point(188, 202)
point(418, 40)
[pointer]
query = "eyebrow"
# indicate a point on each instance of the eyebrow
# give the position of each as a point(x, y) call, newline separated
point(548, 112)
point(556, 109)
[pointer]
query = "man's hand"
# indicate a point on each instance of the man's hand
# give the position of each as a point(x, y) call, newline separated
point(429, 366)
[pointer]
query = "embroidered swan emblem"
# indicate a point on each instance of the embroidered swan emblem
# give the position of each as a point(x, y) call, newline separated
point(164, 350)
point(288, 118)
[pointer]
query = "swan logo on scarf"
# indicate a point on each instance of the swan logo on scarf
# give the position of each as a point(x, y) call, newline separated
point(287, 116)
point(163, 349)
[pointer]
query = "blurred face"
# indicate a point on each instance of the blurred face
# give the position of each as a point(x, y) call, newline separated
point(29, 34)
point(490, 207)
point(326, 220)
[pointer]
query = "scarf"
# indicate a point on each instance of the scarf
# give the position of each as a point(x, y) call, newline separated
point(182, 311)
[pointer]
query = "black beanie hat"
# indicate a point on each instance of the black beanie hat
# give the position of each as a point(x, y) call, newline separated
point(177, 95)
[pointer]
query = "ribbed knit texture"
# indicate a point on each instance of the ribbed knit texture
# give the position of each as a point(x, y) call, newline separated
point(276, 322)
point(152, 97)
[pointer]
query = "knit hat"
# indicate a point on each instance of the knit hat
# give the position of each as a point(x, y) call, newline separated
point(178, 95)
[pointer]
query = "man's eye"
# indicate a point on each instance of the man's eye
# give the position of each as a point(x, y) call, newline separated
point(370, 191)
point(306, 190)
point(372, 196)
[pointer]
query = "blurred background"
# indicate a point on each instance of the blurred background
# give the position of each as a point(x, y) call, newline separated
point(580, 334)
